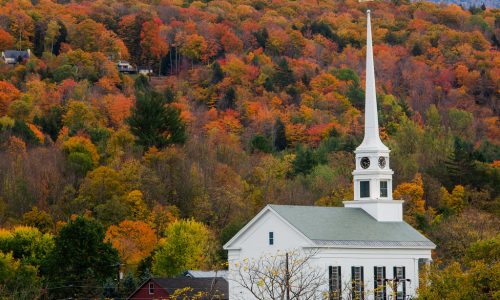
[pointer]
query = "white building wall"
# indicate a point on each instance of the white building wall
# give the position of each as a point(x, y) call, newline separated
point(254, 243)
point(369, 258)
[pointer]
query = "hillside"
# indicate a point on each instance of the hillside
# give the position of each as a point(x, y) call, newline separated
point(474, 4)
point(252, 102)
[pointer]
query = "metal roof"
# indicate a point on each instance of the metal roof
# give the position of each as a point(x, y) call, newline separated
point(342, 226)
point(16, 53)
point(206, 274)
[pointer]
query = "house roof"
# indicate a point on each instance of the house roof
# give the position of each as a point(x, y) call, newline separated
point(216, 285)
point(342, 226)
point(15, 54)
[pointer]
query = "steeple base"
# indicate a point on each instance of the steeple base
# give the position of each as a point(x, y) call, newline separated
point(381, 210)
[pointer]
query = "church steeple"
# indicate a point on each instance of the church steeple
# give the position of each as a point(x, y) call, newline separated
point(371, 139)
point(372, 177)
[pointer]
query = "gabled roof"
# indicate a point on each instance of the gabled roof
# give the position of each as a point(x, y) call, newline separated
point(215, 285)
point(336, 226)
point(255, 219)
point(342, 227)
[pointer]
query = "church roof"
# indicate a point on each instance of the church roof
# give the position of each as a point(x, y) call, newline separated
point(341, 226)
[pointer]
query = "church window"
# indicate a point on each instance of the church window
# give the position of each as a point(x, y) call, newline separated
point(151, 288)
point(335, 283)
point(379, 283)
point(383, 189)
point(364, 188)
point(271, 238)
point(400, 282)
point(357, 276)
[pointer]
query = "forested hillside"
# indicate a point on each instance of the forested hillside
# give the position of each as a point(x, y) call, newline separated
point(258, 102)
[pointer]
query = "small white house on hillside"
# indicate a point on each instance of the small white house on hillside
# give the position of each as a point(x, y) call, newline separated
point(364, 246)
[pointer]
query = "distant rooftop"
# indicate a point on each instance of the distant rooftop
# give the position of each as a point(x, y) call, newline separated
point(206, 274)
point(217, 285)
point(467, 3)
point(16, 53)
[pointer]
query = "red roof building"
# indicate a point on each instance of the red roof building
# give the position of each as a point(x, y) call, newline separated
point(182, 288)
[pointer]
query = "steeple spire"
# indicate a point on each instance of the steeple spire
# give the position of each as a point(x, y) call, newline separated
point(372, 177)
point(371, 140)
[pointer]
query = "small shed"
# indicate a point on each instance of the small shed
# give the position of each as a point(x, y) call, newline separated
point(182, 288)
point(13, 57)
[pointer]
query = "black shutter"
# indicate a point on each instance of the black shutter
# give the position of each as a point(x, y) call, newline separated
point(330, 285)
point(395, 282)
point(375, 279)
point(362, 284)
point(404, 283)
point(339, 292)
point(353, 283)
point(383, 282)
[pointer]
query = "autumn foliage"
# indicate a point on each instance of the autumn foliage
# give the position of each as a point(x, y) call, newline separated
point(134, 240)
point(251, 102)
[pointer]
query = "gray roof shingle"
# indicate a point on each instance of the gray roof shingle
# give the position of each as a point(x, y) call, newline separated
point(216, 285)
point(349, 226)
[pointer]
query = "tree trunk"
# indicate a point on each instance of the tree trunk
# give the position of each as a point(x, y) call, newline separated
point(170, 56)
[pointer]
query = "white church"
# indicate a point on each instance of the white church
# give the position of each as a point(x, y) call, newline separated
point(364, 245)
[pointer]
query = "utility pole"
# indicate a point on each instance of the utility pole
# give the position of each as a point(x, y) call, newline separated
point(287, 279)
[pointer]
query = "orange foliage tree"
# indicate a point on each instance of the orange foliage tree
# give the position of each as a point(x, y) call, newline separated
point(118, 107)
point(8, 93)
point(134, 240)
point(153, 44)
point(6, 40)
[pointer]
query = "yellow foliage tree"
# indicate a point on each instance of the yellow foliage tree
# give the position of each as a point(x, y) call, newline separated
point(83, 145)
point(413, 195)
point(454, 200)
point(138, 209)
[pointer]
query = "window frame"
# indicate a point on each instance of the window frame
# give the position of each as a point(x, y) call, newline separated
point(379, 294)
point(334, 284)
point(271, 238)
point(151, 287)
point(358, 287)
point(385, 189)
point(366, 185)
point(400, 289)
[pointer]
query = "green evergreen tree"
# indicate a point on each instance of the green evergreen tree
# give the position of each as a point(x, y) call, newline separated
point(284, 75)
point(304, 161)
point(80, 261)
point(129, 285)
point(229, 100)
point(261, 36)
point(279, 135)
point(141, 84)
point(217, 73)
point(154, 122)
point(51, 123)
point(261, 143)
point(460, 164)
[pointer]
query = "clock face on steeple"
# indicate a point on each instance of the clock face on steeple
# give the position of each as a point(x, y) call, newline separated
point(381, 162)
point(365, 162)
